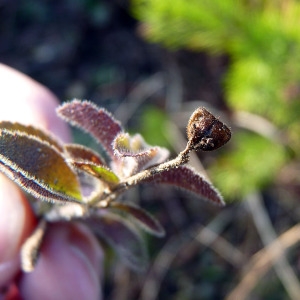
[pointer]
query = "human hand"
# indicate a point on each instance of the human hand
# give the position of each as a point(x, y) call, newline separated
point(70, 264)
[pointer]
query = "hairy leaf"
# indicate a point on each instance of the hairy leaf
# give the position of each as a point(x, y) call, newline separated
point(138, 153)
point(37, 167)
point(38, 191)
point(31, 248)
point(95, 170)
point(187, 178)
point(82, 153)
point(31, 130)
point(122, 237)
point(144, 219)
point(94, 120)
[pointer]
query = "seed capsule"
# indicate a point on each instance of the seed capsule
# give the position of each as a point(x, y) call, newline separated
point(206, 132)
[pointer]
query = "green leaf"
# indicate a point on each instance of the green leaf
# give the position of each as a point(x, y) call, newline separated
point(37, 167)
point(122, 237)
point(143, 218)
point(101, 172)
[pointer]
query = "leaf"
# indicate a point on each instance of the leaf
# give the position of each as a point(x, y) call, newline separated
point(122, 237)
point(138, 153)
point(36, 190)
point(82, 153)
point(31, 130)
point(31, 248)
point(187, 178)
point(144, 219)
point(37, 167)
point(100, 172)
point(94, 120)
point(87, 160)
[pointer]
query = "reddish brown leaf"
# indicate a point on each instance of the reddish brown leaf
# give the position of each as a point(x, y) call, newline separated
point(187, 178)
point(94, 120)
point(121, 236)
point(82, 153)
point(144, 219)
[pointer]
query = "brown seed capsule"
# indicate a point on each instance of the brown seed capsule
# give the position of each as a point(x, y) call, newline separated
point(206, 132)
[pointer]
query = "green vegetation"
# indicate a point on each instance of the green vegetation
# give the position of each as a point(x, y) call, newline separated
point(262, 40)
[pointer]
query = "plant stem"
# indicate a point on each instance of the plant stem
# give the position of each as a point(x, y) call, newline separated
point(182, 158)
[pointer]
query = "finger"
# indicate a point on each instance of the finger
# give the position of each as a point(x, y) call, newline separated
point(28, 102)
point(68, 266)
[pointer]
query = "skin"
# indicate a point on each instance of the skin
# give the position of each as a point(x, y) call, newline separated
point(70, 264)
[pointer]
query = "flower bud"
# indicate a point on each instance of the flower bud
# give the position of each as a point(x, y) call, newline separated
point(206, 132)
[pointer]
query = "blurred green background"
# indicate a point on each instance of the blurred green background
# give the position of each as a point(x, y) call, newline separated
point(151, 62)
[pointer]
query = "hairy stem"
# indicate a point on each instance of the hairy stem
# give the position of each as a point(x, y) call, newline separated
point(182, 158)
point(108, 196)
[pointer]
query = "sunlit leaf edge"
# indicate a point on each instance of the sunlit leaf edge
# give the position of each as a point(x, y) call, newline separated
point(32, 131)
